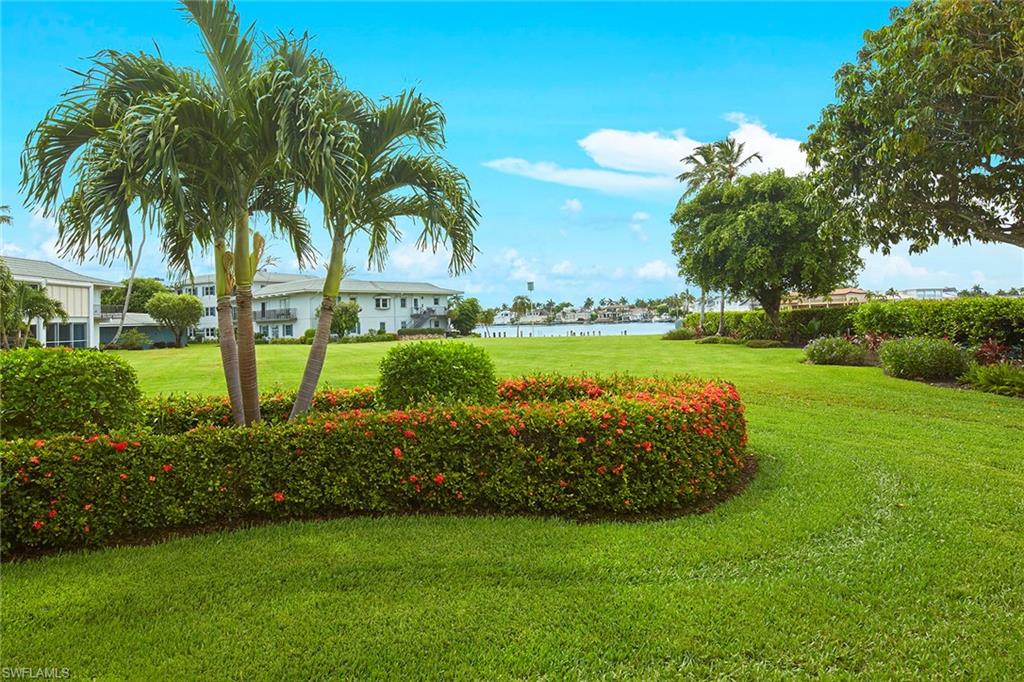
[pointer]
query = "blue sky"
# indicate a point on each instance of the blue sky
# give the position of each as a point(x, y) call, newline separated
point(568, 118)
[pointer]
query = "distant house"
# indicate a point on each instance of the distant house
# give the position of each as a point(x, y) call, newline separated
point(504, 317)
point(138, 321)
point(837, 297)
point(78, 294)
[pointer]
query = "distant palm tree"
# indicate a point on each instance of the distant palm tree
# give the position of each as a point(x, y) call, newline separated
point(709, 163)
point(487, 319)
point(5, 214)
point(520, 306)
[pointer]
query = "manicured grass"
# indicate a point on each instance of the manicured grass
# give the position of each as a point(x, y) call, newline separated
point(883, 538)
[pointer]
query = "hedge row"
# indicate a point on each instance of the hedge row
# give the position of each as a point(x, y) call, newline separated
point(642, 451)
point(968, 321)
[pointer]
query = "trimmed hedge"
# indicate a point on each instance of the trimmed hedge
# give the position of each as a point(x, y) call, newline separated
point(436, 371)
point(658, 446)
point(421, 331)
point(679, 334)
point(922, 358)
point(834, 350)
point(726, 340)
point(764, 343)
point(970, 321)
point(53, 390)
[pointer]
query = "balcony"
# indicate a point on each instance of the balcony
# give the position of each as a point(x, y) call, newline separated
point(430, 311)
point(106, 312)
point(274, 315)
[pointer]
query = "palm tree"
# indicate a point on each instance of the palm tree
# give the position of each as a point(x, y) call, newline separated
point(487, 319)
point(197, 157)
point(520, 306)
point(709, 163)
point(588, 304)
point(25, 303)
point(401, 177)
point(5, 214)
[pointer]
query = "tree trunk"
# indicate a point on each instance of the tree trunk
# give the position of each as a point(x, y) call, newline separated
point(315, 361)
point(703, 306)
point(229, 358)
point(322, 337)
point(128, 292)
point(246, 335)
point(721, 315)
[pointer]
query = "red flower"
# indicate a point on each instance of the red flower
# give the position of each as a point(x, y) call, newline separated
point(627, 502)
point(119, 446)
point(86, 529)
point(92, 439)
point(439, 479)
point(328, 426)
point(453, 424)
point(581, 439)
point(52, 513)
point(87, 506)
point(168, 467)
point(562, 483)
point(279, 496)
point(152, 478)
point(136, 443)
point(618, 469)
point(39, 443)
point(75, 458)
point(37, 525)
point(602, 470)
point(398, 453)
point(124, 477)
point(409, 434)
point(413, 479)
point(33, 460)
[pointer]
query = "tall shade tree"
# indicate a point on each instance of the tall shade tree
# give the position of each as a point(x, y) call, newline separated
point(759, 237)
point(200, 155)
point(401, 178)
point(926, 138)
point(177, 312)
point(709, 163)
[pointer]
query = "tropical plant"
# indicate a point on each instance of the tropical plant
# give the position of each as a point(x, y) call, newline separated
point(346, 318)
point(466, 315)
point(487, 318)
point(520, 306)
point(5, 214)
point(177, 312)
point(197, 156)
point(925, 141)
point(400, 177)
point(22, 304)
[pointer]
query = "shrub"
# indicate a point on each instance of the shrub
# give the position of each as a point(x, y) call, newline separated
point(680, 334)
point(132, 339)
point(881, 318)
point(639, 453)
point(286, 341)
point(62, 390)
point(436, 371)
point(796, 327)
point(718, 339)
point(756, 325)
point(367, 338)
point(420, 331)
point(922, 358)
point(764, 343)
point(307, 336)
point(834, 350)
point(1003, 378)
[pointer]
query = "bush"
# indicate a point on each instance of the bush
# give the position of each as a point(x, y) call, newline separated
point(436, 371)
point(881, 318)
point(286, 341)
point(1003, 378)
point(132, 339)
point(307, 336)
point(421, 331)
point(372, 337)
point(62, 390)
point(764, 343)
point(922, 358)
point(680, 334)
point(834, 350)
point(644, 452)
point(718, 339)
point(796, 327)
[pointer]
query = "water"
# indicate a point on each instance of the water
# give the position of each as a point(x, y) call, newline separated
point(595, 329)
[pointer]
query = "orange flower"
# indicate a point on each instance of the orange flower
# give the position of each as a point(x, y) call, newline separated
point(278, 496)
point(398, 453)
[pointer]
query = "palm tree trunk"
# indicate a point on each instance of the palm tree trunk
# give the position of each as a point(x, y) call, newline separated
point(226, 334)
point(703, 306)
point(246, 333)
point(721, 314)
point(322, 337)
point(128, 292)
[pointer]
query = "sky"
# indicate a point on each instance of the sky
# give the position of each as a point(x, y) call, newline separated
point(569, 120)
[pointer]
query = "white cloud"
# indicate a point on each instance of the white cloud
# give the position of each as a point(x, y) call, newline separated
point(884, 271)
point(609, 182)
point(640, 216)
point(656, 270)
point(564, 267)
point(640, 163)
point(518, 267)
point(572, 206)
point(409, 261)
point(638, 231)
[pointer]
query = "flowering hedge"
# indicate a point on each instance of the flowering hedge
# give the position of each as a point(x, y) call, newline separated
point(627, 447)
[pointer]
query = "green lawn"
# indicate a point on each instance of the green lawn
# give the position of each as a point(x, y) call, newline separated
point(882, 538)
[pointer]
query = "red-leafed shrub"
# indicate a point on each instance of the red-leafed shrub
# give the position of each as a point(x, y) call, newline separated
point(639, 447)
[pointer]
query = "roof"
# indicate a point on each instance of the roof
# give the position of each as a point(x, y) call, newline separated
point(352, 286)
point(261, 277)
point(848, 290)
point(40, 269)
point(131, 320)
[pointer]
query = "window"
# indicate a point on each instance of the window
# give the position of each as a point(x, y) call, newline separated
point(288, 330)
point(265, 330)
point(415, 303)
point(66, 334)
point(437, 301)
point(210, 332)
point(383, 327)
point(275, 331)
point(382, 303)
point(401, 302)
point(404, 323)
point(210, 290)
point(210, 312)
point(436, 324)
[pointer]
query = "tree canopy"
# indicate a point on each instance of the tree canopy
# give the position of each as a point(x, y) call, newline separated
point(466, 315)
point(177, 312)
point(346, 317)
point(926, 139)
point(142, 290)
point(758, 237)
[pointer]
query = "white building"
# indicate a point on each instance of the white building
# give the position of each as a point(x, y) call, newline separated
point(79, 294)
point(937, 293)
point(204, 286)
point(288, 309)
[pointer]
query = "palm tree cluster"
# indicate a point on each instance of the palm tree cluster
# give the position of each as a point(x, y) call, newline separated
point(194, 155)
point(712, 163)
point(21, 304)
